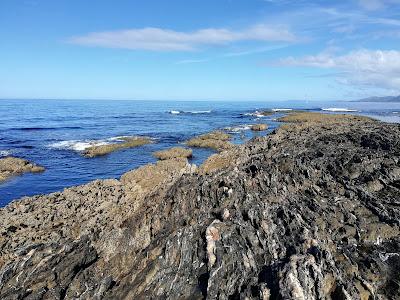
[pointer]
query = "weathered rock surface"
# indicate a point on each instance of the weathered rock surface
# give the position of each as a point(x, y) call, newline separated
point(174, 152)
point(259, 127)
point(309, 212)
point(13, 166)
point(124, 143)
point(216, 140)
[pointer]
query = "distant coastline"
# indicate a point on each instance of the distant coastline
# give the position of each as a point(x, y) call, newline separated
point(390, 99)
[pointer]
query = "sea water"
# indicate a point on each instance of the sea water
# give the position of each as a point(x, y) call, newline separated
point(52, 133)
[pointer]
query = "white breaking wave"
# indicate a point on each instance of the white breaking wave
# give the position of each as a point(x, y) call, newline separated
point(194, 112)
point(4, 153)
point(255, 114)
point(79, 146)
point(238, 128)
point(339, 109)
point(199, 112)
point(281, 109)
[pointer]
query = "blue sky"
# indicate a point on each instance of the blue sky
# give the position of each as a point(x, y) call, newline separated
point(199, 50)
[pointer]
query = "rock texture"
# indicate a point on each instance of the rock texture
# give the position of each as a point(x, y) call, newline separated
point(13, 166)
point(259, 127)
point(124, 143)
point(310, 212)
point(174, 152)
point(216, 140)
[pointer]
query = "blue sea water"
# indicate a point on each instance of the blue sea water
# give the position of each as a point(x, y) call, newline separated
point(52, 132)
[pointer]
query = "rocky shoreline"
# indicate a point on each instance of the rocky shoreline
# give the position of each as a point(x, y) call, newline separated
point(13, 166)
point(308, 212)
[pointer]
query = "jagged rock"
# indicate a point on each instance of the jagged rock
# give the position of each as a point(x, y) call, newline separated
point(298, 214)
point(13, 166)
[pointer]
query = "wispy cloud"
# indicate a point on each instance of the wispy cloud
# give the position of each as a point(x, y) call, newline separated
point(255, 51)
point(377, 4)
point(158, 39)
point(372, 68)
point(192, 61)
point(233, 54)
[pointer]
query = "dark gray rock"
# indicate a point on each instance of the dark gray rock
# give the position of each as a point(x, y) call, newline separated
point(309, 212)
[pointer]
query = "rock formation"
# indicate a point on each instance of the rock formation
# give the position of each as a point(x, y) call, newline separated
point(174, 152)
point(13, 166)
point(125, 143)
point(259, 127)
point(308, 212)
point(216, 140)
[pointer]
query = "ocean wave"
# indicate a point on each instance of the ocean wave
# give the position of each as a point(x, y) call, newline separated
point(45, 128)
point(339, 109)
point(199, 112)
point(193, 112)
point(4, 153)
point(396, 112)
point(281, 109)
point(238, 128)
point(254, 114)
point(82, 145)
point(76, 145)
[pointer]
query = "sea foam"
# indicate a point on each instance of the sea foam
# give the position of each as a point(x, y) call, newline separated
point(4, 153)
point(193, 112)
point(238, 128)
point(281, 109)
point(77, 145)
point(254, 114)
point(339, 109)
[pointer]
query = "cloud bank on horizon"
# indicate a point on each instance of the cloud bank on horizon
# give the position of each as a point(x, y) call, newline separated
point(353, 45)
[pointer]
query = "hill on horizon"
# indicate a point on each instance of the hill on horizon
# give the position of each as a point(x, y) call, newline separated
point(380, 99)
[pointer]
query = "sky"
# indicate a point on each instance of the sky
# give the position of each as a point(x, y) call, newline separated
point(199, 49)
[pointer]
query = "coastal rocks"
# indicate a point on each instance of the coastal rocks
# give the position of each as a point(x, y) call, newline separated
point(307, 117)
point(287, 216)
point(126, 142)
point(259, 127)
point(12, 166)
point(174, 152)
point(216, 140)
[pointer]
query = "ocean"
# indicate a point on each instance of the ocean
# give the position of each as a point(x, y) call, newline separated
point(52, 133)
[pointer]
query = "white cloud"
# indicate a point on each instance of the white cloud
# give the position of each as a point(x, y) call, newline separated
point(376, 4)
point(372, 4)
point(192, 61)
point(374, 68)
point(255, 51)
point(158, 39)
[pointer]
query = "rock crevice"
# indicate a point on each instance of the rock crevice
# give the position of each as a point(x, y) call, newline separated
point(308, 212)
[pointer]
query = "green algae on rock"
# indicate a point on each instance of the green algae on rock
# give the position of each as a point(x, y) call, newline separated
point(13, 166)
point(126, 142)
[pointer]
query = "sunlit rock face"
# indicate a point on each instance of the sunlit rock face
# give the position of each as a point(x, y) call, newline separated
point(309, 212)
